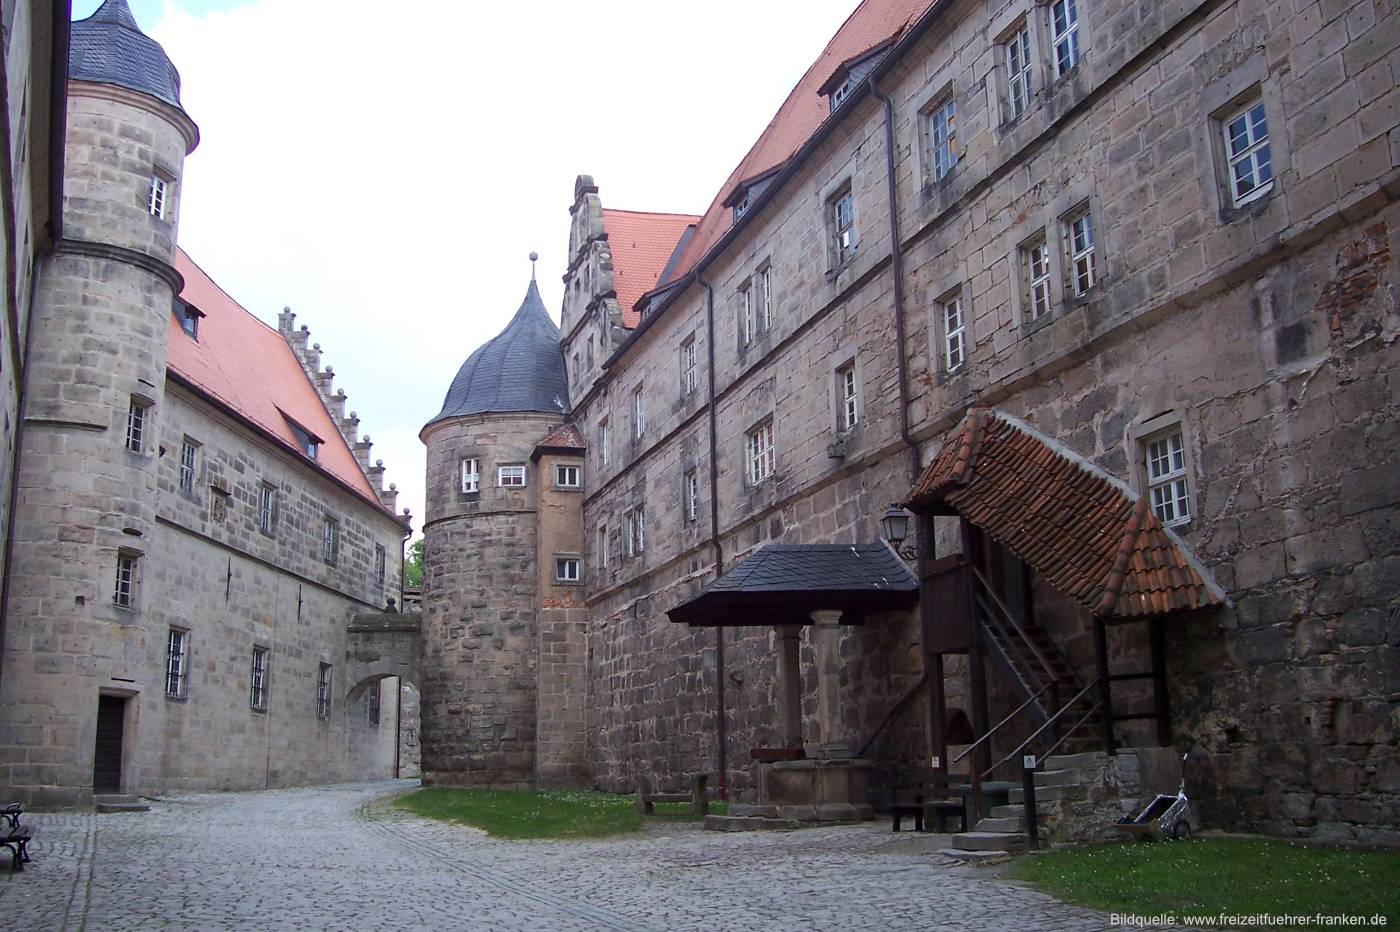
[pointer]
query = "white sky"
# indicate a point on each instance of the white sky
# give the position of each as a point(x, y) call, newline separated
point(386, 168)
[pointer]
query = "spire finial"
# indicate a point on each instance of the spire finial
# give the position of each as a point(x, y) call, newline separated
point(534, 256)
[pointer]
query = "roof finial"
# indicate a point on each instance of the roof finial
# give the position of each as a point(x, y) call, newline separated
point(533, 257)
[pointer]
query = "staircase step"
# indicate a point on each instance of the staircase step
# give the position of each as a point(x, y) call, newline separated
point(1073, 761)
point(989, 841)
point(975, 857)
point(728, 823)
point(1008, 812)
point(1049, 778)
point(1002, 824)
point(113, 802)
point(1048, 794)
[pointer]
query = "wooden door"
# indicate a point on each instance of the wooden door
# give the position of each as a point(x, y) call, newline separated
point(107, 762)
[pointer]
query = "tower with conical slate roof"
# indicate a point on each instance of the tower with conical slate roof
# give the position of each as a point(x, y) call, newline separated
point(85, 502)
point(503, 630)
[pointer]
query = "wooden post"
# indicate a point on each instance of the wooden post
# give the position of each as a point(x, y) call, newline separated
point(719, 697)
point(1105, 686)
point(937, 715)
point(1161, 702)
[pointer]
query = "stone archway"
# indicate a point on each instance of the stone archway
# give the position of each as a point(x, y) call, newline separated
point(380, 650)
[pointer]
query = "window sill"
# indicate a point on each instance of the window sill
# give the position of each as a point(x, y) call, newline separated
point(260, 710)
point(1250, 208)
point(179, 699)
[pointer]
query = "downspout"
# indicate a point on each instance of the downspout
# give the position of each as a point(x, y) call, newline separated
point(714, 522)
point(897, 267)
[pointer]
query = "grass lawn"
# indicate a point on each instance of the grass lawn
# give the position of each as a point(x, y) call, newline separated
point(1211, 876)
point(556, 814)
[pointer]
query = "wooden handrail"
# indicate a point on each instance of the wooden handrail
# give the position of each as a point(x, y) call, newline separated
point(978, 743)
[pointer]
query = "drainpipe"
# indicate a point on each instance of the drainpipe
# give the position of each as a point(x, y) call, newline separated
point(897, 261)
point(714, 522)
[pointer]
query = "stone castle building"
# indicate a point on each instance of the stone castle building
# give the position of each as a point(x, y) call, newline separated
point(1102, 290)
point(195, 529)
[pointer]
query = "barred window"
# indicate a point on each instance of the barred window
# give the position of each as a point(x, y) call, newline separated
point(330, 541)
point(1083, 258)
point(136, 426)
point(1064, 35)
point(1247, 149)
point(175, 648)
point(762, 459)
point(189, 453)
point(1167, 484)
point(1019, 81)
point(323, 691)
point(257, 690)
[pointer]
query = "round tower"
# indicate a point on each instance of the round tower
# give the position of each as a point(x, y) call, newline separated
point(79, 659)
point(481, 580)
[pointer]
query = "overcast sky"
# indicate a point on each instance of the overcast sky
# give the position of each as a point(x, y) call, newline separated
point(385, 169)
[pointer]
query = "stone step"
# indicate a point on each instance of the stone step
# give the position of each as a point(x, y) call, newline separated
point(975, 857)
point(728, 823)
point(1049, 794)
point(113, 802)
point(1057, 778)
point(1074, 761)
point(1002, 824)
point(989, 841)
point(747, 809)
point(1008, 812)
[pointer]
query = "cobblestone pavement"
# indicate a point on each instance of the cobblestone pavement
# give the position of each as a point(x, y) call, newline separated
point(340, 858)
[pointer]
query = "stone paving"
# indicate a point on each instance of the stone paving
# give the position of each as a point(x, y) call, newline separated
point(340, 858)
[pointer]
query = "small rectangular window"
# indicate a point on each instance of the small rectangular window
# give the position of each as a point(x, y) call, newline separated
point(510, 477)
point(127, 566)
point(954, 334)
point(175, 649)
point(1083, 260)
point(1247, 149)
point(323, 691)
point(603, 546)
point(566, 477)
point(746, 321)
point(380, 561)
point(267, 505)
point(690, 375)
point(765, 300)
point(849, 395)
point(1019, 83)
point(257, 691)
point(691, 495)
point(605, 441)
point(136, 426)
point(471, 474)
point(189, 453)
point(1037, 262)
point(639, 413)
point(159, 190)
point(843, 222)
point(566, 569)
point(1167, 485)
point(942, 140)
point(1064, 35)
point(762, 459)
point(330, 541)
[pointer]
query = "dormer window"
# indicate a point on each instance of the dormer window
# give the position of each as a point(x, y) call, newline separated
point(306, 441)
point(838, 96)
point(747, 193)
point(850, 75)
point(188, 315)
point(742, 206)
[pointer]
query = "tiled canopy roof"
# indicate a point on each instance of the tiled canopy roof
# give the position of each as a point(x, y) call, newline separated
point(565, 440)
point(641, 245)
point(245, 365)
point(519, 369)
point(109, 48)
point(785, 583)
point(1089, 535)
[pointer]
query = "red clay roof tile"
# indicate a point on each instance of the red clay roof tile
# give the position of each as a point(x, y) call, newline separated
point(641, 245)
point(245, 364)
point(1087, 534)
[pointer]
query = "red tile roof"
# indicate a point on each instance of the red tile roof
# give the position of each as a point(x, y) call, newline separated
point(641, 245)
point(562, 440)
point(248, 366)
point(1089, 535)
point(873, 23)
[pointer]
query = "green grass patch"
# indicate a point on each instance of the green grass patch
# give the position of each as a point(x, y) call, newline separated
point(552, 814)
point(1212, 876)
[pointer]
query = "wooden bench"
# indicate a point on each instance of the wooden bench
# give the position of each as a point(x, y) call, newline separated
point(939, 799)
point(699, 801)
point(14, 836)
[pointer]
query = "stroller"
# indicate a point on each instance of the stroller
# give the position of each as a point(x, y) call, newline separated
point(1164, 818)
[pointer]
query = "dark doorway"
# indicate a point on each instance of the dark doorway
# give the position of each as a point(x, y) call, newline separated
point(107, 763)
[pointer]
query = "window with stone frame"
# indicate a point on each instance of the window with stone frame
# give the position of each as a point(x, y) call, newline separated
point(942, 139)
point(267, 508)
point(567, 476)
point(841, 219)
point(257, 683)
point(510, 477)
point(603, 554)
point(953, 329)
point(847, 397)
point(1168, 476)
point(605, 440)
point(566, 569)
point(323, 691)
point(137, 418)
point(634, 529)
point(1035, 265)
point(747, 330)
point(690, 370)
point(176, 673)
point(159, 195)
point(471, 475)
point(762, 459)
point(764, 317)
point(189, 457)
point(1082, 246)
point(639, 413)
point(381, 559)
point(690, 495)
point(330, 541)
point(1064, 36)
point(1020, 78)
point(1248, 155)
point(126, 594)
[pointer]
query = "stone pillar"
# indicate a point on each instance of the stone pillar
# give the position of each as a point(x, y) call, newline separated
point(828, 642)
point(790, 684)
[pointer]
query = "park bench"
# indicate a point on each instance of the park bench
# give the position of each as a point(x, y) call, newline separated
point(939, 799)
point(699, 802)
point(14, 836)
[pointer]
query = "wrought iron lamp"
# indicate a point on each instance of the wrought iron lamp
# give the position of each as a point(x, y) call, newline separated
point(896, 525)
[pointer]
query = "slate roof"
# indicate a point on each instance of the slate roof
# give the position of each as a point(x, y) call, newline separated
point(247, 366)
point(784, 583)
point(519, 369)
point(641, 245)
point(1087, 533)
point(109, 48)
